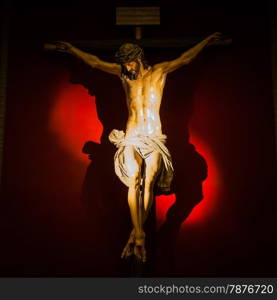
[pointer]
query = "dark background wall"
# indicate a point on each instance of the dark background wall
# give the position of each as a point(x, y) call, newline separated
point(63, 214)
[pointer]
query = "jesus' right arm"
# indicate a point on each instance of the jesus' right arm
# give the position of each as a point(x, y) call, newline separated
point(91, 60)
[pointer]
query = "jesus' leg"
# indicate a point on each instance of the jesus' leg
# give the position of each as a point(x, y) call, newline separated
point(133, 164)
point(152, 168)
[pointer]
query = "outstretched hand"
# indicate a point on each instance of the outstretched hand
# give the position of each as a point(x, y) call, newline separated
point(58, 46)
point(218, 39)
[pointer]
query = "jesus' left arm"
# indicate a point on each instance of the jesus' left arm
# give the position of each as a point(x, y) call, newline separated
point(189, 55)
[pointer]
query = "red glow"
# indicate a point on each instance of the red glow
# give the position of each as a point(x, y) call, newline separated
point(74, 121)
point(74, 118)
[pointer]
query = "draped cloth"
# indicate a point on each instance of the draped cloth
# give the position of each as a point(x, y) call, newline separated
point(144, 146)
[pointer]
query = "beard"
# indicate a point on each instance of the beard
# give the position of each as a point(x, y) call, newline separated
point(133, 74)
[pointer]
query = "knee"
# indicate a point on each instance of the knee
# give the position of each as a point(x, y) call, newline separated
point(149, 182)
point(134, 180)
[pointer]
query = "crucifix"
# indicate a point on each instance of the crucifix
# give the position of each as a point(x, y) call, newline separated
point(142, 160)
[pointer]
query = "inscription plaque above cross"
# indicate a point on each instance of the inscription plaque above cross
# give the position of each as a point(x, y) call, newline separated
point(137, 16)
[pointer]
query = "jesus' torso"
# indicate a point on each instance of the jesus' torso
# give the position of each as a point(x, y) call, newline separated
point(144, 97)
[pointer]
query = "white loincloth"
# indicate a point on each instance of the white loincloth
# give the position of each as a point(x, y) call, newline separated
point(144, 145)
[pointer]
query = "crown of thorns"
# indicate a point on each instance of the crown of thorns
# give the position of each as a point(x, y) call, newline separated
point(128, 52)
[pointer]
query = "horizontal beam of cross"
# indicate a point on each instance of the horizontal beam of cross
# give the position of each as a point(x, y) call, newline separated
point(145, 43)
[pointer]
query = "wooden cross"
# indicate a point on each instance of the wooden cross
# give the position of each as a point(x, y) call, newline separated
point(138, 17)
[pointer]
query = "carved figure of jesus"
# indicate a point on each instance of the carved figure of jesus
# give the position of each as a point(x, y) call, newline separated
point(142, 159)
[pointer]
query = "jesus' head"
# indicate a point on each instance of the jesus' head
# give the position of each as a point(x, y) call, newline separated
point(131, 58)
